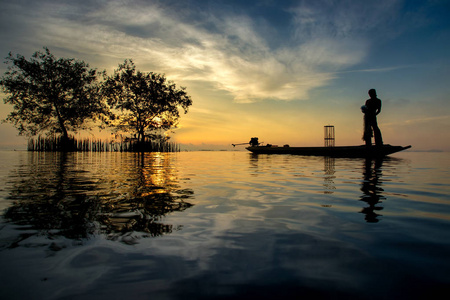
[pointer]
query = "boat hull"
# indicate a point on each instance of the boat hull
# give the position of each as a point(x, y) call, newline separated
point(340, 151)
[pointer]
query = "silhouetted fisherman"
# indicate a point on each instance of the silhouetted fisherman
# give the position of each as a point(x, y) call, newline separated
point(371, 109)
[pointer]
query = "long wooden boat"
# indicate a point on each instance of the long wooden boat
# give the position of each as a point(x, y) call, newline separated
point(338, 151)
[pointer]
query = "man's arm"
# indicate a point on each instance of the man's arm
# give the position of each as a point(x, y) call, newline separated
point(379, 107)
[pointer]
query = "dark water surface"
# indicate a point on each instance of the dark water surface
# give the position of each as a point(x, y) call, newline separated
point(219, 225)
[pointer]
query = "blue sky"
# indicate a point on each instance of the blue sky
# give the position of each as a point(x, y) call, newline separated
point(279, 70)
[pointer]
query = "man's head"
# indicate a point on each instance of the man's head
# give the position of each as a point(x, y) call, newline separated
point(372, 93)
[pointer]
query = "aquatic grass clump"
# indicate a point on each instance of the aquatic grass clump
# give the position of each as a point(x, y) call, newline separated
point(71, 144)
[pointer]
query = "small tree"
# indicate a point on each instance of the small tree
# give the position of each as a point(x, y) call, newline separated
point(50, 95)
point(143, 102)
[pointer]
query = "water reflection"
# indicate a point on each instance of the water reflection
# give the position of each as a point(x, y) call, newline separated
point(329, 169)
point(258, 228)
point(301, 175)
point(74, 195)
point(372, 190)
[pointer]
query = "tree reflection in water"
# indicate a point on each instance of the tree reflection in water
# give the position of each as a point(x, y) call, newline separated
point(76, 195)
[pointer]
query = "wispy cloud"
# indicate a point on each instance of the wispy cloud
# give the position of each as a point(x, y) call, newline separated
point(228, 50)
point(378, 70)
point(417, 121)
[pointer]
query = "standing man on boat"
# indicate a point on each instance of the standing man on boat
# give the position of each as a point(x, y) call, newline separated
point(371, 109)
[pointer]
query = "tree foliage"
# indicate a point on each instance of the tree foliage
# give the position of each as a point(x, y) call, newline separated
point(143, 102)
point(50, 95)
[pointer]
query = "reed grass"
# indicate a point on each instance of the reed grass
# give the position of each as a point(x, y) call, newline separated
point(59, 144)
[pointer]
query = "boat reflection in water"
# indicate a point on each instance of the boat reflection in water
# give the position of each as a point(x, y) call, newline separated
point(329, 176)
point(297, 167)
point(74, 195)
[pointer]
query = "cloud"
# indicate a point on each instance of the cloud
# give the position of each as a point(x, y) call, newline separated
point(418, 121)
point(378, 70)
point(345, 19)
point(227, 49)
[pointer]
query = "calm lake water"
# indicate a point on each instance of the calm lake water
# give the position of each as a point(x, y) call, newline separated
point(218, 225)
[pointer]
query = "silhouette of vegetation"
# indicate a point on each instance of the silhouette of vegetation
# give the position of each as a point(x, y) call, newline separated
point(143, 103)
point(50, 95)
point(71, 144)
point(54, 96)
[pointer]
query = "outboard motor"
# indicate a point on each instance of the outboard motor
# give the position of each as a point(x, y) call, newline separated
point(254, 142)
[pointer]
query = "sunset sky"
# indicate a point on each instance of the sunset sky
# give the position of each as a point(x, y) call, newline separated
point(273, 69)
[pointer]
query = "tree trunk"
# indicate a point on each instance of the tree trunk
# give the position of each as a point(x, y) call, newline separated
point(61, 123)
point(65, 143)
point(142, 135)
